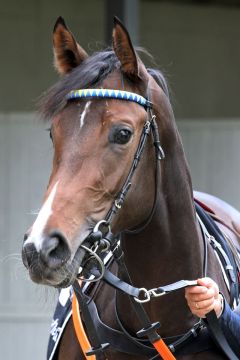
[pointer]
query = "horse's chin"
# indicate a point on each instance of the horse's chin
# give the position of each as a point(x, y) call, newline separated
point(62, 277)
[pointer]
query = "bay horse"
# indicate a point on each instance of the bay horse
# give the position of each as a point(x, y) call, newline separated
point(95, 141)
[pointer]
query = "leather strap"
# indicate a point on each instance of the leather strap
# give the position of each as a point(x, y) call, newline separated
point(122, 342)
point(219, 244)
point(127, 184)
point(117, 339)
point(218, 336)
point(97, 347)
point(163, 350)
point(121, 285)
point(149, 329)
point(79, 329)
point(181, 284)
point(197, 339)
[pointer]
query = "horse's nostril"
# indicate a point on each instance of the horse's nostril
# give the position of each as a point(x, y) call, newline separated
point(29, 254)
point(50, 247)
point(55, 251)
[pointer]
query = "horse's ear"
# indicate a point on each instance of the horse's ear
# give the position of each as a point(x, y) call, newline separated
point(67, 52)
point(131, 65)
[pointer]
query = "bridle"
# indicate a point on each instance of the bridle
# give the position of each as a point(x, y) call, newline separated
point(150, 126)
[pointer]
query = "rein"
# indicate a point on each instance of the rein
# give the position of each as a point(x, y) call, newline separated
point(102, 240)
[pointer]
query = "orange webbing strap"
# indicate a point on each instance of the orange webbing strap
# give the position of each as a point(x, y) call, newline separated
point(79, 329)
point(163, 350)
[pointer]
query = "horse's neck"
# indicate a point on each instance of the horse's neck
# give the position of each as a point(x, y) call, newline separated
point(171, 241)
point(168, 250)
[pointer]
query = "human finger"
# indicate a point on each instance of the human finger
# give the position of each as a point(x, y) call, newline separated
point(210, 284)
point(199, 311)
point(196, 290)
point(200, 296)
point(204, 304)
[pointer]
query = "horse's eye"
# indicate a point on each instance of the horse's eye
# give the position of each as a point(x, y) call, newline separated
point(122, 136)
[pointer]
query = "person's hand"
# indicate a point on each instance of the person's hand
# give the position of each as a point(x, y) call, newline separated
point(204, 298)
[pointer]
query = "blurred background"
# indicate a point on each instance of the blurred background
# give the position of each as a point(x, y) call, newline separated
point(195, 43)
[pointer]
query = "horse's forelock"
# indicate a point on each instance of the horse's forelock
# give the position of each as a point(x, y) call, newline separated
point(92, 71)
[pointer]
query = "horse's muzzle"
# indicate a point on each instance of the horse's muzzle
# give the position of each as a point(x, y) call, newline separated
point(46, 264)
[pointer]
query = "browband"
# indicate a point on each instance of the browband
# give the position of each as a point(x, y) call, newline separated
point(110, 94)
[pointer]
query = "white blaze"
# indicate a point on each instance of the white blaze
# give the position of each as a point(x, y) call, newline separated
point(35, 236)
point(82, 118)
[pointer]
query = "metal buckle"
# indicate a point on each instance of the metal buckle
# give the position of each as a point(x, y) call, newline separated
point(147, 126)
point(154, 293)
point(101, 223)
point(148, 294)
point(149, 104)
point(117, 204)
point(145, 294)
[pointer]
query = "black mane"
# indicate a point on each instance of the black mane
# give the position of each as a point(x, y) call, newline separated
point(91, 72)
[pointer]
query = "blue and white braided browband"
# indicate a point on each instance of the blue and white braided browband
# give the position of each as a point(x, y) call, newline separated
point(110, 94)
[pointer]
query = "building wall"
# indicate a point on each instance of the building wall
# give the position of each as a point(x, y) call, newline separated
point(26, 44)
point(25, 308)
point(198, 47)
point(212, 148)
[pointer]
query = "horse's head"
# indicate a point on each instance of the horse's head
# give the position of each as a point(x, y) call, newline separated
point(94, 141)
